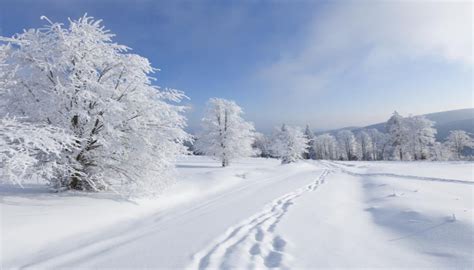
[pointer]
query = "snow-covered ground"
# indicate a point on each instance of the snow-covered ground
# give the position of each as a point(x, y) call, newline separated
point(254, 214)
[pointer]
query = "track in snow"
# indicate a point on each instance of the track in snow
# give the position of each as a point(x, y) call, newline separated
point(99, 243)
point(253, 244)
point(412, 177)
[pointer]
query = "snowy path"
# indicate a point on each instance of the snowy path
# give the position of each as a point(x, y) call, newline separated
point(256, 214)
point(170, 238)
point(253, 243)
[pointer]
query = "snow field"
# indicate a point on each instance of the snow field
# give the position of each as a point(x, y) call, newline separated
point(255, 214)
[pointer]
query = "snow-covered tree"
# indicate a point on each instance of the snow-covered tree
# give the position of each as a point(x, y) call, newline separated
point(225, 134)
point(289, 144)
point(457, 141)
point(310, 136)
point(399, 138)
point(412, 137)
point(365, 145)
point(325, 147)
point(347, 144)
point(263, 144)
point(421, 136)
point(440, 152)
point(32, 153)
point(380, 144)
point(78, 79)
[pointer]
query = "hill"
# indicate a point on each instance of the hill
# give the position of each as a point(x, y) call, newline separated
point(446, 121)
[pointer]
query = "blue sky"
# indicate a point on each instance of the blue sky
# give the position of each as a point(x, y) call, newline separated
point(328, 64)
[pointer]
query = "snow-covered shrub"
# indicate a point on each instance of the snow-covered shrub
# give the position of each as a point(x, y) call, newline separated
point(33, 153)
point(225, 134)
point(78, 79)
point(289, 144)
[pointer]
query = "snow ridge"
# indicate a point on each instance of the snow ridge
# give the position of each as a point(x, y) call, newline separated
point(253, 244)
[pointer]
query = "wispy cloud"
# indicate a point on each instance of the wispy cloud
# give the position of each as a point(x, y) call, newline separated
point(369, 35)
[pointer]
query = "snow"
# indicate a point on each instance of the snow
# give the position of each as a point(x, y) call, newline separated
point(380, 221)
point(456, 170)
point(256, 213)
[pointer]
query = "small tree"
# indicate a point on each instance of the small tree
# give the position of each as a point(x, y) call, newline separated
point(309, 151)
point(457, 141)
point(421, 136)
point(225, 135)
point(289, 144)
point(398, 132)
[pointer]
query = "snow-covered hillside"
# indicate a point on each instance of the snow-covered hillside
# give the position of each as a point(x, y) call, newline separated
point(256, 213)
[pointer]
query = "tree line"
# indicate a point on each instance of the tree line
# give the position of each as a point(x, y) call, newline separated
point(405, 139)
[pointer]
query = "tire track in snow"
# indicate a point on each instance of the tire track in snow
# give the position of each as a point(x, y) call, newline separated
point(412, 177)
point(253, 243)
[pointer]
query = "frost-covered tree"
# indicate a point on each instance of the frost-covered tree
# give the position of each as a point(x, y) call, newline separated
point(289, 144)
point(421, 136)
point(399, 139)
point(440, 152)
point(263, 145)
point(380, 144)
point(325, 147)
point(347, 144)
point(76, 78)
point(457, 141)
point(32, 153)
point(310, 136)
point(365, 145)
point(225, 134)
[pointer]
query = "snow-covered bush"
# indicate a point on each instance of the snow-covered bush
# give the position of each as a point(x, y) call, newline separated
point(78, 79)
point(33, 153)
point(225, 134)
point(289, 144)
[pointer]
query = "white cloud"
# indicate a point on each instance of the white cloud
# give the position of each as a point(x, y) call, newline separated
point(373, 34)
